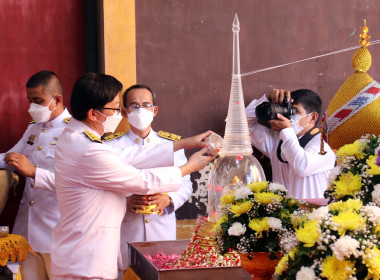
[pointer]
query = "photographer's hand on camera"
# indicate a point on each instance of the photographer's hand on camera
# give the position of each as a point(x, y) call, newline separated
point(280, 123)
point(277, 96)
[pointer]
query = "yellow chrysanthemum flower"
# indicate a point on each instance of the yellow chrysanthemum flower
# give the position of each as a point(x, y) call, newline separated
point(266, 198)
point(221, 220)
point(241, 208)
point(298, 221)
point(334, 269)
point(308, 233)
point(282, 265)
point(355, 149)
point(291, 202)
point(349, 205)
point(227, 199)
point(293, 253)
point(258, 186)
point(373, 169)
point(259, 225)
point(348, 220)
point(372, 261)
point(347, 184)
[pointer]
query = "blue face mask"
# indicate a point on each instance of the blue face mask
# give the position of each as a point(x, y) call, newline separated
point(294, 121)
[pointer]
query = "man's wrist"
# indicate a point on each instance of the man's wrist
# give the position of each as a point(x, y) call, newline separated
point(170, 201)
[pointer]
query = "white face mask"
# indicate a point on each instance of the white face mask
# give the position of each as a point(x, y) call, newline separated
point(294, 121)
point(111, 122)
point(40, 113)
point(140, 118)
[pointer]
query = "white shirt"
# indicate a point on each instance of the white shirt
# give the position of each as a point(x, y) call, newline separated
point(92, 180)
point(138, 227)
point(38, 211)
point(306, 173)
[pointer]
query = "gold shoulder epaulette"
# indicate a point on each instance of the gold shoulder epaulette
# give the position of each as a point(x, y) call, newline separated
point(168, 135)
point(32, 122)
point(92, 137)
point(67, 120)
point(114, 136)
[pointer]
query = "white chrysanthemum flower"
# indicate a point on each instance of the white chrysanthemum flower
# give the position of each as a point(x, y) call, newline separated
point(274, 223)
point(334, 174)
point(237, 229)
point(276, 187)
point(319, 213)
point(376, 194)
point(345, 246)
point(242, 192)
point(305, 273)
point(373, 213)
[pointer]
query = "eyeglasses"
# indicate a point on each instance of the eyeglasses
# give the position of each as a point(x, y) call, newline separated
point(116, 109)
point(145, 105)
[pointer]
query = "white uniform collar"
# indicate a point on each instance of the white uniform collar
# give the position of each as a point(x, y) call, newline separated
point(58, 121)
point(140, 141)
point(81, 126)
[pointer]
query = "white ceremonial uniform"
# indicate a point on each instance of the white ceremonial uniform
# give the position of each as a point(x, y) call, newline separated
point(151, 227)
point(306, 173)
point(92, 180)
point(38, 211)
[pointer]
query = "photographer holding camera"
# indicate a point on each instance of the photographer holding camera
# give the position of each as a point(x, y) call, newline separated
point(282, 125)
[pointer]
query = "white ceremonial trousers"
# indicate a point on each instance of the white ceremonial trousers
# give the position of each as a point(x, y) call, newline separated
point(38, 211)
point(92, 180)
point(139, 227)
point(306, 175)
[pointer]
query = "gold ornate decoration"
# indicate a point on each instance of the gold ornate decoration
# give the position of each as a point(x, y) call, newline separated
point(14, 247)
point(114, 136)
point(168, 135)
point(92, 137)
point(363, 120)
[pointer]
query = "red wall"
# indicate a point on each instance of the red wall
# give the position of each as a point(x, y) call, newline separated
point(36, 35)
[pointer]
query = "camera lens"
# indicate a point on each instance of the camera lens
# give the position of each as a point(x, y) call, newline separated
point(267, 111)
point(264, 111)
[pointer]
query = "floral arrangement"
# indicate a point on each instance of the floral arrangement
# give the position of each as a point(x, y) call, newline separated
point(336, 242)
point(357, 175)
point(256, 218)
point(200, 252)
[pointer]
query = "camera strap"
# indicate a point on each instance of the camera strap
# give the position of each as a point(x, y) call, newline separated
point(303, 141)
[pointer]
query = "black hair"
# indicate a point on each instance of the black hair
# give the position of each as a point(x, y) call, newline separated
point(310, 100)
point(48, 80)
point(93, 91)
point(138, 86)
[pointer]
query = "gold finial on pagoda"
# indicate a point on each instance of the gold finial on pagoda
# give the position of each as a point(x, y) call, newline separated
point(364, 37)
point(362, 59)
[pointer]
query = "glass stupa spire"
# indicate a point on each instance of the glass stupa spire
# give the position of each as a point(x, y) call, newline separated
point(236, 164)
point(236, 137)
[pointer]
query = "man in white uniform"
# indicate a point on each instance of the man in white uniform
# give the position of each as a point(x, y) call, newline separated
point(92, 180)
point(33, 158)
point(293, 146)
point(140, 109)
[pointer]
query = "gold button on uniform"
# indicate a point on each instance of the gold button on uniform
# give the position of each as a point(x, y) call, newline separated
point(31, 203)
point(39, 148)
point(137, 140)
point(148, 140)
point(51, 125)
point(147, 221)
point(32, 184)
point(44, 130)
point(36, 165)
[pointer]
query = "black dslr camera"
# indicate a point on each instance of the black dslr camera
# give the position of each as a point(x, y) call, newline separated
point(267, 111)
